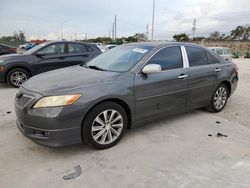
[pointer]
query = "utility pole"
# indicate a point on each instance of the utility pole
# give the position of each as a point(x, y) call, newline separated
point(194, 27)
point(115, 28)
point(147, 31)
point(113, 31)
point(62, 29)
point(61, 32)
point(153, 21)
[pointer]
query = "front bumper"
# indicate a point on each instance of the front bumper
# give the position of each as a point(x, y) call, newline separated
point(2, 77)
point(54, 127)
point(52, 138)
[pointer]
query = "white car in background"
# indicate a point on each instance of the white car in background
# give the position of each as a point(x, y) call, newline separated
point(105, 48)
point(223, 52)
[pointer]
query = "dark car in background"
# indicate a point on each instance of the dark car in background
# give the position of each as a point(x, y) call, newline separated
point(17, 68)
point(121, 88)
point(6, 49)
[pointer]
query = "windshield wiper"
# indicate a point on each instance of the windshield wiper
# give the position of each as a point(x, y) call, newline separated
point(96, 68)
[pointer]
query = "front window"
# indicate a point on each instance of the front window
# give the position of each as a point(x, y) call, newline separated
point(53, 49)
point(219, 51)
point(169, 58)
point(29, 52)
point(119, 59)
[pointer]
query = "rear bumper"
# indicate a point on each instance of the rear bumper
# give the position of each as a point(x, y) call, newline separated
point(234, 83)
point(52, 138)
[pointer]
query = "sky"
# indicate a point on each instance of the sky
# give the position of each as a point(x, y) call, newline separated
point(43, 18)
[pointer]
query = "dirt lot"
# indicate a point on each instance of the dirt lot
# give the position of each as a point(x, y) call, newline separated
point(183, 151)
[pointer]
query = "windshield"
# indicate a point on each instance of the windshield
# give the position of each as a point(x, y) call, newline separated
point(119, 59)
point(34, 49)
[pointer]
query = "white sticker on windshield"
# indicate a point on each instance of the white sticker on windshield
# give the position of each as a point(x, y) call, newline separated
point(140, 50)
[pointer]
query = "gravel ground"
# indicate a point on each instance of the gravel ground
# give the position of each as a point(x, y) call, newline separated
point(182, 151)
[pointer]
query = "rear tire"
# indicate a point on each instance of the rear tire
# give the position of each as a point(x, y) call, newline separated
point(219, 99)
point(17, 76)
point(105, 125)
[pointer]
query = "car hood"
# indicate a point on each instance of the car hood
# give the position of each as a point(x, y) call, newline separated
point(14, 57)
point(65, 80)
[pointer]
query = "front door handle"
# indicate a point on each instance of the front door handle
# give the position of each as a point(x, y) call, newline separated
point(217, 70)
point(182, 76)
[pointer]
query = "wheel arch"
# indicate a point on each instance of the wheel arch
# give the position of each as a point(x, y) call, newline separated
point(121, 102)
point(17, 67)
point(228, 84)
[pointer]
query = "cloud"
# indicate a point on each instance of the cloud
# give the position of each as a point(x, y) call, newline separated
point(220, 15)
point(97, 17)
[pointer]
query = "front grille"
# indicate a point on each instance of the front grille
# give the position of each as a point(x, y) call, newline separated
point(24, 100)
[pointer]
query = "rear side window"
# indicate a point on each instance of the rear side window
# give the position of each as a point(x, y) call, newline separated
point(169, 58)
point(77, 48)
point(196, 56)
point(211, 59)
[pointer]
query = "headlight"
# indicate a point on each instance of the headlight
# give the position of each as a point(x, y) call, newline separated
point(53, 101)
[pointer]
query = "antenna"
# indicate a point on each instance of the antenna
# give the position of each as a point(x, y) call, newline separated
point(194, 27)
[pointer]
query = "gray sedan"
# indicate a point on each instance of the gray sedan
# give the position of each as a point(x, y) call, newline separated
point(126, 86)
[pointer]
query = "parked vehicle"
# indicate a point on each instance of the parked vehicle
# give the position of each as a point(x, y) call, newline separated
point(17, 68)
point(5, 49)
point(27, 46)
point(101, 47)
point(119, 89)
point(110, 46)
point(223, 52)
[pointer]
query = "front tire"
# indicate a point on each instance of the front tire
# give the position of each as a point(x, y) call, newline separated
point(16, 77)
point(219, 99)
point(105, 125)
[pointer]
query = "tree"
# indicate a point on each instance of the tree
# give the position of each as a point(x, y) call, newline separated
point(21, 35)
point(241, 33)
point(181, 37)
point(141, 37)
point(215, 35)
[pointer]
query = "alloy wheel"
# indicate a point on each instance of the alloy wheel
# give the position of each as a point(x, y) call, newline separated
point(220, 98)
point(18, 77)
point(107, 127)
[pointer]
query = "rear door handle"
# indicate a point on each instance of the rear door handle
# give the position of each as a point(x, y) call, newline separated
point(217, 70)
point(182, 76)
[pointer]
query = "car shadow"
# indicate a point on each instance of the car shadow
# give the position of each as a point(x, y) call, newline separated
point(85, 149)
point(5, 85)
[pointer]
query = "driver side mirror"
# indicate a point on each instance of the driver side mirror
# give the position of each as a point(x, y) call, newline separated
point(151, 68)
point(40, 55)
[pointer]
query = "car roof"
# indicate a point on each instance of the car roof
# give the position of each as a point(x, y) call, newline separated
point(65, 41)
point(161, 44)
